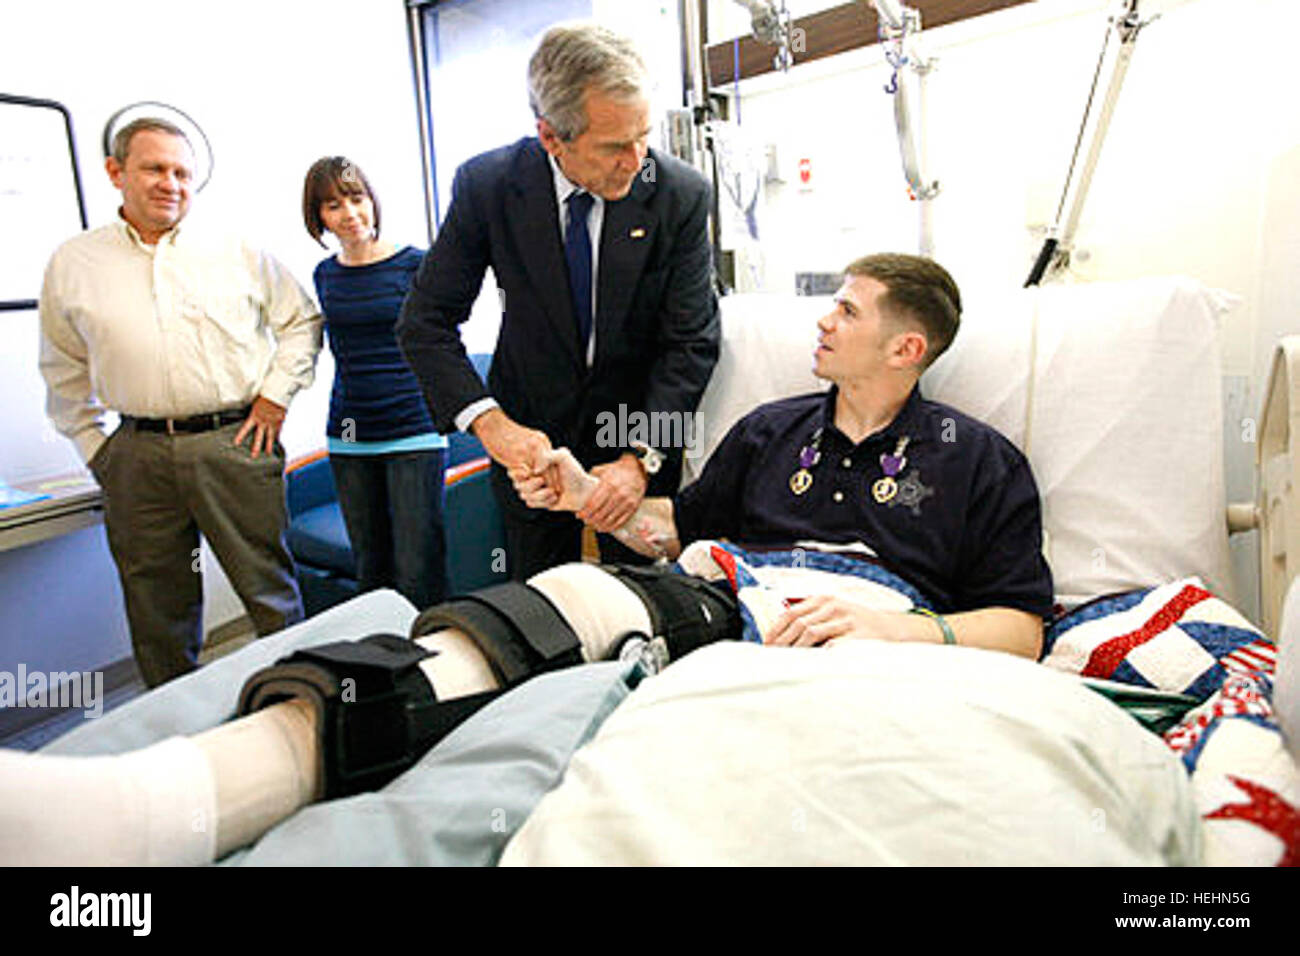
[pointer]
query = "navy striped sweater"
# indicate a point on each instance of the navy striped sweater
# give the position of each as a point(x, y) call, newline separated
point(373, 385)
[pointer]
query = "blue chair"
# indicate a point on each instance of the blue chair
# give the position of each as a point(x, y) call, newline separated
point(318, 538)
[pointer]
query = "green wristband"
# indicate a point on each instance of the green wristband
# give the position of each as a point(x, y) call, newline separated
point(948, 636)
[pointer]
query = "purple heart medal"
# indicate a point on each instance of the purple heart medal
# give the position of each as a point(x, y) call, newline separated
point(809, 455)
point(883, 489)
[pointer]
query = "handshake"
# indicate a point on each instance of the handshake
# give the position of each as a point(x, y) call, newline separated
point(555, 480)
point(610, 498)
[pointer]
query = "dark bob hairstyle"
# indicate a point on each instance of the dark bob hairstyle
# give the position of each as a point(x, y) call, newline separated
point(331, 177)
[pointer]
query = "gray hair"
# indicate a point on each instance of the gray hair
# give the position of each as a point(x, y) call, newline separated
point(572, 59)
point(122, 138)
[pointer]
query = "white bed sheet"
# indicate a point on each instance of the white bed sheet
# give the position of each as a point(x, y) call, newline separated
point(865, 753)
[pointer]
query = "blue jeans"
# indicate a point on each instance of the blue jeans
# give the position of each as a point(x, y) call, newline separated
point(392, 506)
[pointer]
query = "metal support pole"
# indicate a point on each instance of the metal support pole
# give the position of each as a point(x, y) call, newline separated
point(1114, 62)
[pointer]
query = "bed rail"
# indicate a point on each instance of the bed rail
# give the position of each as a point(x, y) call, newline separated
point(1278, 469)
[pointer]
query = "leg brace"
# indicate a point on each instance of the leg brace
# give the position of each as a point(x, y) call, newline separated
point(378, 713)
point(686, 612)
point(518, 630)
point(375, 709)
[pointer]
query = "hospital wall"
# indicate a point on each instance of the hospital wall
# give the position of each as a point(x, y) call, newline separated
point(1199, 176)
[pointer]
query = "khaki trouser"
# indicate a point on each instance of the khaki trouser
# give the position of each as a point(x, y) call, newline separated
point(160, 492)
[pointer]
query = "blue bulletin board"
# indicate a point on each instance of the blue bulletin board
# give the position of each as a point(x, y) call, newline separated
point(41, 202)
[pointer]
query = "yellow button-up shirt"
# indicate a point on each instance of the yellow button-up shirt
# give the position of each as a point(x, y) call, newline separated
point(190, 325)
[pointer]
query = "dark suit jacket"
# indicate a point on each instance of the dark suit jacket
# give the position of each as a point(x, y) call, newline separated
point(656, 322)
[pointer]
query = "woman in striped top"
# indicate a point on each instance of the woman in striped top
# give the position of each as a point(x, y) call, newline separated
point(387, 459)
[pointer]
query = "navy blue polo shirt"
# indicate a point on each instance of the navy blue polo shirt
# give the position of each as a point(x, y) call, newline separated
point(963, 525)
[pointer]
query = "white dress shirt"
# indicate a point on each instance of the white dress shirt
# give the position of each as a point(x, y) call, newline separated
point(187, 326)
point(595, 222)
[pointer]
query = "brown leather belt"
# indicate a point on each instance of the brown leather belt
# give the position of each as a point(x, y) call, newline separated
point(188, 426)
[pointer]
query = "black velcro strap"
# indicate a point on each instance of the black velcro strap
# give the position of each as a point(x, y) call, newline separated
point(534, 616)
point(517, 628)
point(686, 611)
point(441, 718)
point(371, 702)
point(494, 635)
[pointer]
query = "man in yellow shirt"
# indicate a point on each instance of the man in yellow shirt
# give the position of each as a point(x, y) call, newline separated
point(199, 343)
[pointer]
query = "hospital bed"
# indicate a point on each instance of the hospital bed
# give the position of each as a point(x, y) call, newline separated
point(879, 753)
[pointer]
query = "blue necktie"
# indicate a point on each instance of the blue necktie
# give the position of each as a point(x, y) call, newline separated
point(577, 253)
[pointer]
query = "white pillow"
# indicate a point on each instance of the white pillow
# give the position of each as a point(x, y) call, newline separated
point(864, 753)
point(1126, 434)
point(767, 353)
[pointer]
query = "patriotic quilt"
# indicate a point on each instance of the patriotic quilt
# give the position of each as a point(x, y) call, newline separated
point(1180, 638)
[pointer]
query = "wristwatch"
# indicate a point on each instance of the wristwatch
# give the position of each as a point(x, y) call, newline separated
point(652, 459)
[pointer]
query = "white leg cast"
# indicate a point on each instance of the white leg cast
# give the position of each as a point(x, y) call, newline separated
point(265, 766)
point(459, 669)
point(595, 604)
point(153, 807)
